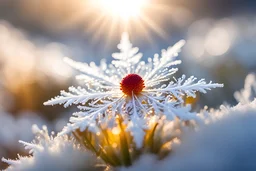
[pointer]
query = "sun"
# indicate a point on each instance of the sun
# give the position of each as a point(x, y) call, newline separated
point(125, 9)
point(112, 17)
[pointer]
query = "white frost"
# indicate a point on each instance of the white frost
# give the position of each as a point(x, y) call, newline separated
point(225, 144)
point(247, 94)
point(53, 153)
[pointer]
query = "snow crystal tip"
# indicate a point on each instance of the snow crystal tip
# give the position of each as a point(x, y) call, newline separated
point(66, 130)
point(219, 85)
point(49, 102)
point(22, 142)
point(10, 162)
point(182, 42)
point(125, 35)
point(62, 133)
point(4, 160)
point(35, 129)
point(46, 103)
point(67, 59)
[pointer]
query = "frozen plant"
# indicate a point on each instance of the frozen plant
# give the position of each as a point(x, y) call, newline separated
point(247, 94)
point(132, 88)
point(244, 97)
point(54, 153)
point(115, 146)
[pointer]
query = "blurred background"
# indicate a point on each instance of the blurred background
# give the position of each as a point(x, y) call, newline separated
point(36, 35)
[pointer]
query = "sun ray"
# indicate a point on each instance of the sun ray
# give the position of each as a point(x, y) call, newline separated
point(100, 30)
point(152, 25)
point(118, 16)
point(96, 23)
point(112, 31)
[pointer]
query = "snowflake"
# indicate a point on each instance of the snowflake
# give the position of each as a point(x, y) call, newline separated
point(130, 87)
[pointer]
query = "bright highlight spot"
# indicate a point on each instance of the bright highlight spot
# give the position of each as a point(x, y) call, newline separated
point(218, 41)
point(124, 9)
point(116, 131)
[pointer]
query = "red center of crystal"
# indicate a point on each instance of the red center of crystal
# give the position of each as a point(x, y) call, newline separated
point(132, 84)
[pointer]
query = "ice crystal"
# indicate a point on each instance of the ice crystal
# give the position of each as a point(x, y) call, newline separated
point(53, 153)
point(134, 88)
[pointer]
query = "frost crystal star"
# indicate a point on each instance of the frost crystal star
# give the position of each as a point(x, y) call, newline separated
point(130, 87)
